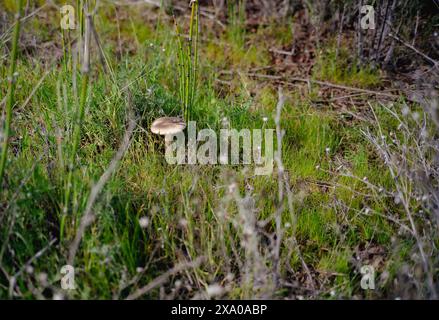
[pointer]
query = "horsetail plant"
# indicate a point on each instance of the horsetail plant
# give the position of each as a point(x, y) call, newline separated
point(11, 91)
point(79, 115)
point(187, 54)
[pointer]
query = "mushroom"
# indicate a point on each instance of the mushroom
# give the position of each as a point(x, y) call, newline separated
point(168, 125)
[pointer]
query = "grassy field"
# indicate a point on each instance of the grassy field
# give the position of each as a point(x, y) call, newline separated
point(80, 146)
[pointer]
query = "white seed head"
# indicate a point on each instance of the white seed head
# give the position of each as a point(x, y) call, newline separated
point(214, 290)
point(144, 222)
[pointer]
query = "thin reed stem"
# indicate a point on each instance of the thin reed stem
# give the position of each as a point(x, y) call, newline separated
point(79, 117)
point(11, 90)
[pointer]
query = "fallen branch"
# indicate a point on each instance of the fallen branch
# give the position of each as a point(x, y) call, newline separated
point(161, 279)
point(34, 90)
point(89, 216)
point(284, 186)
point(13, 279)
point(321, 83)
point(408, 45)
point(282, 52)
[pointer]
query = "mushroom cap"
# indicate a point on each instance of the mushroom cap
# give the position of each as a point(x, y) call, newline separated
point(168, 125)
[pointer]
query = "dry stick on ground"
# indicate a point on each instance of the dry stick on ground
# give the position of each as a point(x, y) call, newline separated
point(408, 45)
point(286, 53)
point(13, 279)
point(164, 277)
point(34, 90)
point(289, 80)
point(89, 216)
point(138, 276)
point(394, 34)
point(284, 184)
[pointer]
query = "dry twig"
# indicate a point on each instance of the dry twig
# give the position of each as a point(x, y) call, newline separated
point(89, 216)
point(164, 277)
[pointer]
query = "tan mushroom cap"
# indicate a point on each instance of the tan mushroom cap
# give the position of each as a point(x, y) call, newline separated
point(168, 125)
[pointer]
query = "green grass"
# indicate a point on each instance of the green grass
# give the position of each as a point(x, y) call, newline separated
point(343, 69)
point(11, 79)
point(183, 203)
